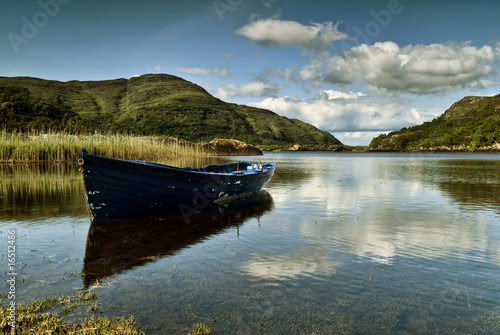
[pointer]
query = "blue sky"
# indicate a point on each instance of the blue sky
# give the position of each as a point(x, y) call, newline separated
point(353, 68)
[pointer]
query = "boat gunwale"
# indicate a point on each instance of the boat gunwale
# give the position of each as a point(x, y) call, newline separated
point(164, 167)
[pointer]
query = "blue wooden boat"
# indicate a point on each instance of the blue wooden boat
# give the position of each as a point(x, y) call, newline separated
point(117, 188)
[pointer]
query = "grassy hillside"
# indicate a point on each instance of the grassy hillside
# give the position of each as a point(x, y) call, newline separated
point(162, 104)
point(471, 124)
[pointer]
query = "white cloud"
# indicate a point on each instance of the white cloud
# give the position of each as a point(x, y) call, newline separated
point(357, 137)
point(274, 32)
point(254, 89)
point(268, 3)
point(289, 75)
point(227, 56)
point(332, 94)
point(353, 118)
point(352, 113)
point(205, 72)
point(285, 74)
point(418, 69)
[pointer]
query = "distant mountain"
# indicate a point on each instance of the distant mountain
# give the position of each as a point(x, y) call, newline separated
point(161, 104)
point(471, 124)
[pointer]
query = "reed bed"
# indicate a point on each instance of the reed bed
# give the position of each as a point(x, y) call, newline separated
point(43, 188)
point(27, 181)
point(64, 147)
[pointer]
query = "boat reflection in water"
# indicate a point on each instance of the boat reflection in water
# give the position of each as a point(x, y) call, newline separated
point(115, 245)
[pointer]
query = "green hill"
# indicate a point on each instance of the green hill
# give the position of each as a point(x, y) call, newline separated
point(471, 124)
point(160, 104)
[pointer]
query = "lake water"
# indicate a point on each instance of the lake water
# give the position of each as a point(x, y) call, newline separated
point(337, 244)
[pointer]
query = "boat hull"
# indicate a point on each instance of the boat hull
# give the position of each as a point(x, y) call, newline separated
point(117, 188)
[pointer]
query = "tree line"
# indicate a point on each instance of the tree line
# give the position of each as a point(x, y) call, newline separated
point(21, 111)
point(472, 133)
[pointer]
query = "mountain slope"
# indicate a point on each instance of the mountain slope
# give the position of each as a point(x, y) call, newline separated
point(471, 124)
point(167, 105)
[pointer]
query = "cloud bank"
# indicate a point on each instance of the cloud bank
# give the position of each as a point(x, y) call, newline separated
point(418, 69)
point(346, 111)
point(254, 89)
point(364, 90)
point(274, 32)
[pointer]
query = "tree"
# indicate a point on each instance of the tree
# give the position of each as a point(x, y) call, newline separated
point(21, 111)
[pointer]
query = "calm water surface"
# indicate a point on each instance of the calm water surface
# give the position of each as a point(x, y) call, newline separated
point(338, 244)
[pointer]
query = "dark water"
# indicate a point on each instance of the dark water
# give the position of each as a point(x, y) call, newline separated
point(337, 244)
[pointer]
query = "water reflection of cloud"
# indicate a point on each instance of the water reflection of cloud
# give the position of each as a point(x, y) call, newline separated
point(380, 218)
point(372, 246)
point(271, 266)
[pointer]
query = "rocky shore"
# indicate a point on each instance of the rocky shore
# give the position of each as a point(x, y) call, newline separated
point(230, 147)
point(495, 147)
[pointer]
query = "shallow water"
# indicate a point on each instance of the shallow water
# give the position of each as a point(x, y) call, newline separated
point(338, 243)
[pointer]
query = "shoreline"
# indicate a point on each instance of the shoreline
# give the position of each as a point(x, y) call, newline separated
point(60, 147)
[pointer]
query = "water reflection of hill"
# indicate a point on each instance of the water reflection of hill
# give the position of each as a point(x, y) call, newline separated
point(471, 182)
point(465, 181)
point(117, 245)
point(40, 190)
point(473, 194)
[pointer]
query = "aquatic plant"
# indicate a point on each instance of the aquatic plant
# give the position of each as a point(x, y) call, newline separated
point(29, 319)
point(65, 147)
point(200, 329)
point(34, 318)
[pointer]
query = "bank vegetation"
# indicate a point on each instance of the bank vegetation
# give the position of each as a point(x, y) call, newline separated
point(63, 147)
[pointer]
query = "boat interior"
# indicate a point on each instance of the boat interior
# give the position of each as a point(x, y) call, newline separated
point(227, 168)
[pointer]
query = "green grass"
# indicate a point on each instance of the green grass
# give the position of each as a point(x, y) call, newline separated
point(65, 148)
point(35, 318)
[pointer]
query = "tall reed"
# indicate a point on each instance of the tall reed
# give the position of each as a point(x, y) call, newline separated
point(64, 147)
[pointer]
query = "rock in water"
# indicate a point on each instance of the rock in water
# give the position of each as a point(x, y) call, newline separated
point(225, 147)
